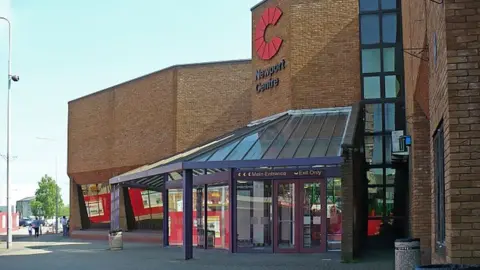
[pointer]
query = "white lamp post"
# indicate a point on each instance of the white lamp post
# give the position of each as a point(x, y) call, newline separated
point(11, 78)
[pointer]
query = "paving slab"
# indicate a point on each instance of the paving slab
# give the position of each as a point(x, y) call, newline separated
point(53, 252)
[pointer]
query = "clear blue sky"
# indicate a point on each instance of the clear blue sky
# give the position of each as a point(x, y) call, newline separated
point(64, 49)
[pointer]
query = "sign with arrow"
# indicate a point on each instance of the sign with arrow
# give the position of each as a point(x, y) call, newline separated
point(278, 174)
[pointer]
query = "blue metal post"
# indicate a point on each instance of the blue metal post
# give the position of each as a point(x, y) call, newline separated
point(165, 212)
point(188, 214)
point(233, 212)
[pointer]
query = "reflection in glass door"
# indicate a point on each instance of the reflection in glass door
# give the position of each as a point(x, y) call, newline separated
point(299, 216)
point(285, 209)
point(313, 225)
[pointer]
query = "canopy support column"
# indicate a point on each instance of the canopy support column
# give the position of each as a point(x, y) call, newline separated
point(188, 214)
point(115, 207)
point(166, 242)
point(233, 211)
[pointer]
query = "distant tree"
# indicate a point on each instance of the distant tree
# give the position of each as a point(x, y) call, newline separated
point(64, 211)
point(36, 207)
point(45, 197)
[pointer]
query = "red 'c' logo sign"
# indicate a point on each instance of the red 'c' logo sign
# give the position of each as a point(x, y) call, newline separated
point(267, 50)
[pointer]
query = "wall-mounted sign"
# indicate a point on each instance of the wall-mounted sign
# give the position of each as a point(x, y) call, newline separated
point(267, 73)
point(267, 50)
point(284, 174)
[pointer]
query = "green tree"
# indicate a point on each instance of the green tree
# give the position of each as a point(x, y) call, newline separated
point(45, 197)
point(64, 211)
point(36, 207)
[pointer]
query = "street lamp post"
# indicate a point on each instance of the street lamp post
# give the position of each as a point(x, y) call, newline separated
point(11, 78)
point(56, 183)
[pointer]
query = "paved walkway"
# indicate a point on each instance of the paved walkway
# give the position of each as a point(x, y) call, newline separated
point(54, 252)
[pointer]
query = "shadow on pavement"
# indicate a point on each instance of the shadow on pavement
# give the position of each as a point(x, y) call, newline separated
point(54, 252)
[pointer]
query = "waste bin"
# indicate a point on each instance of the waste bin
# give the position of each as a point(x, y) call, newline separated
point(210, 239)
point(407, 253)
point(449, 266)
point(115, 240)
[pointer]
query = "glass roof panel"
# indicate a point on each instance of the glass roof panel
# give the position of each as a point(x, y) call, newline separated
point(334, 147)
point(259, 148)
point(306, 145)
point(242, 148)
point(320, 148)
point(277, 146)
point(203, 157)
point(222, 152)
point(340, 125)
point(327, 129)
point(296, 138)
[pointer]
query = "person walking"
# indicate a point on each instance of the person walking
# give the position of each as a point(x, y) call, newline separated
point(36, 227)
point(64, 226)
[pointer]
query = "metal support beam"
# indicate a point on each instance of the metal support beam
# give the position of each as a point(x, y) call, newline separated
point(165, 217)
point(115, 207)
point(205, 216)
point(188, 214)
point(233, 211)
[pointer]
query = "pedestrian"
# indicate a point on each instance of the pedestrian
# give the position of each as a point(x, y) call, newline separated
point(64, 226)
point(30, 229)
point(36, 227)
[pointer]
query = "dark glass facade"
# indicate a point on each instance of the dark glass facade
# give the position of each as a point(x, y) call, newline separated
point(384, 111)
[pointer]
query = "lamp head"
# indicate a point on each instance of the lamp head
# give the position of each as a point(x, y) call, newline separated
point(15, 78)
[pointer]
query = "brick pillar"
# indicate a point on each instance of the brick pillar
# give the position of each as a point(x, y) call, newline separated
point(420, 188)
point(347, 211)
point(462, 132)
point(75, 220)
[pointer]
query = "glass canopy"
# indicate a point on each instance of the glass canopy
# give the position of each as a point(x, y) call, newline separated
point(296, 135)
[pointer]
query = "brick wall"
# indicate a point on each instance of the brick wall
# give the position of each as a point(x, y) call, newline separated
point(415, 39)
point(462, 133)
point(211, 101)
point(324, 53)
point(278, 99)
point(154, 116)
point(454, 98)
point(321, 47)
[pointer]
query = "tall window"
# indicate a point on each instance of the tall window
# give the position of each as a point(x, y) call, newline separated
point(383, 95)
point(439, 174)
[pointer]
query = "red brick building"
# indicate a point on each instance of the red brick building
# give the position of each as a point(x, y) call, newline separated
point(415, 70)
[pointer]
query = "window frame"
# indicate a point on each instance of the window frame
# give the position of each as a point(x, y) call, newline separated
point(439, 180)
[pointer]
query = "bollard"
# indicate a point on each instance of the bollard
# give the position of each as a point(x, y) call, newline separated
point(407, 254)
point(115, 240)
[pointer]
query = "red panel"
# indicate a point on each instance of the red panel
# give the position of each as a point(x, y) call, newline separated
point(105, 199)
point(270, 13)
point(276, 16)
point(374, 227)
point(3, 217)
point(261, 26)
point(259, 43)
point(261, 49)
point(176, 228)
point(259, 35)
point(139, 209)
point(277, 42)
point(267, 51)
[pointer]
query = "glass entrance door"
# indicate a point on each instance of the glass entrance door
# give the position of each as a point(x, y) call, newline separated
point(299, 216)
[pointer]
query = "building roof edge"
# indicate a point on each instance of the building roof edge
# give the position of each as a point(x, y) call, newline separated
point(161, 70)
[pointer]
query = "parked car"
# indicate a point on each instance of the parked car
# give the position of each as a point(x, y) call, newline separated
point(25, 222)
